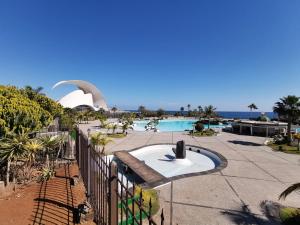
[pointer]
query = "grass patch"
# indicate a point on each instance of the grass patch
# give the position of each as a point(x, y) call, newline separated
point(290, 216)
point(116, 135)
point(204, 133)
point(284, 148)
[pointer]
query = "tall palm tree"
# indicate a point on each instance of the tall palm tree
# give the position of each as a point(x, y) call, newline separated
point(209, 112)
point(114, 110)
point(200, 110)
point(252, 107)
point(98, 139)
point(12, 149)
point(142, 109)
point(189, 107)
point(289, 190)
point(288, 108)
point(182, 110)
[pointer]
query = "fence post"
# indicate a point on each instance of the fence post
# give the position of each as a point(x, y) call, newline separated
point(79, 148)
point(89, 169)
point(113, 194)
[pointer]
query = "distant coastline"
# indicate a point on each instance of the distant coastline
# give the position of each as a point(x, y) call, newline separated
point(229, 114)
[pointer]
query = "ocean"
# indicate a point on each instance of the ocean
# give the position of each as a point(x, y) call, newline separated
point(231, 115)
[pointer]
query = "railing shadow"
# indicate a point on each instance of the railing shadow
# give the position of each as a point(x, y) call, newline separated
point(54, 203)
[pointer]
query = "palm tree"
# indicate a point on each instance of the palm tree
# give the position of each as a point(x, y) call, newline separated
point(12, 149)
point(114, 110)
point(252, 107)
point(80, 117)
point(114, 127)
point(142, 109)
point(98, 139)
point(87, 114)
point(200, 110)
point(289, 190)
point(189, 107)
point(209, 112)
point(288, 108)
point(182, 110)
point(102, 119)
point(126, 126)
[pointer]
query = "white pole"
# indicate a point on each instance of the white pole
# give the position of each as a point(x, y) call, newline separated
point(171, 204)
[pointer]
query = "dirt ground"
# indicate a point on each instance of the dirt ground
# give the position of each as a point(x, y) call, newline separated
point(51, 202)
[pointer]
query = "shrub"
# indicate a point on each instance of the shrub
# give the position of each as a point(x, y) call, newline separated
point(199, 126)
point(279, 139)
point(147, 195)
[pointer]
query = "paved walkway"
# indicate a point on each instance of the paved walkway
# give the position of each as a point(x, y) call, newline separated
point(232, 196)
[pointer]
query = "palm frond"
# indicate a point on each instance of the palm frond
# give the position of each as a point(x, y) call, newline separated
point(289, 190)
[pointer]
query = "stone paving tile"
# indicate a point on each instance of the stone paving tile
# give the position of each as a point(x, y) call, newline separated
point(263, 157)
point(253, 192)
point(283, 172)
point(206, 190)
point(246, 170)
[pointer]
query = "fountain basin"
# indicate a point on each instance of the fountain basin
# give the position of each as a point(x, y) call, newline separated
point(161, 158)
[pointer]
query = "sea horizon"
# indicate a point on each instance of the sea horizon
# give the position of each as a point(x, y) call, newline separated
point(227, 114)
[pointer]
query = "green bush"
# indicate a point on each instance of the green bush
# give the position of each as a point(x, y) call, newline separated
point(199, 126)
point(290, 216)
point(18, 112)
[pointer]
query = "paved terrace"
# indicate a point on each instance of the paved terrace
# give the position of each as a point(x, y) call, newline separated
point(232, 196)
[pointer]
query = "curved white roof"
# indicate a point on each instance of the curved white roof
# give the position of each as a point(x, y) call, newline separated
point(88, 94)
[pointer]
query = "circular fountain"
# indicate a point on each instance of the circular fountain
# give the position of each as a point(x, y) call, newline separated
point(166, 162)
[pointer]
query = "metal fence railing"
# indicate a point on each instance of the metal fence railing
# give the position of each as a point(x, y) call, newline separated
point(115, 201)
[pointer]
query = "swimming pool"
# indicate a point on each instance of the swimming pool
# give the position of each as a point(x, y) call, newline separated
point(171, 125)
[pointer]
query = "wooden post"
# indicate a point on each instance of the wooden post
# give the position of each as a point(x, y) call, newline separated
point(241, 128)
point(251, 130)
point(113, 194)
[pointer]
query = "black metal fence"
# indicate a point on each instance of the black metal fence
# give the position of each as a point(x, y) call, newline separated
point(114, 199)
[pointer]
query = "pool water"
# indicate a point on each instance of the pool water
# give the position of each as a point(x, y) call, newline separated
point(171, 125)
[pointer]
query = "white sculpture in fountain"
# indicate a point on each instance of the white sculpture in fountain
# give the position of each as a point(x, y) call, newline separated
point(86, 95)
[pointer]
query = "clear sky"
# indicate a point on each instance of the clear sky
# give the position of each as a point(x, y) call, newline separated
point(167, 54)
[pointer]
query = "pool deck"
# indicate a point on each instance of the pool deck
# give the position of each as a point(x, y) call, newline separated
point(254, 174)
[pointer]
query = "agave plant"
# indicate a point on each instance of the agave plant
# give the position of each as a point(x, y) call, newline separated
point(12, 149)
point(47, 173)
point(32, 147)
point(50, 144)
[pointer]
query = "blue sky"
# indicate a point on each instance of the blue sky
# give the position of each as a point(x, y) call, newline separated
point(156, 53)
